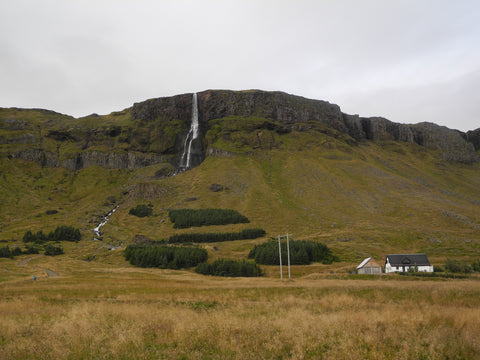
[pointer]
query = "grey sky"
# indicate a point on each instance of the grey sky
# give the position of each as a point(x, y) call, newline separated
point(408, 61)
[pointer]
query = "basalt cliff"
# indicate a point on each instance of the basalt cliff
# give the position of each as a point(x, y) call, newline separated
point(154, 131)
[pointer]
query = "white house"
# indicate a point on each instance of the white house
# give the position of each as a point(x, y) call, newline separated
point(369, 266)
point(405, 262)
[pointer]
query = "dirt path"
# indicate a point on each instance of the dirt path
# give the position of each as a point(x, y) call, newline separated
point(50, 273)
point(26, 260)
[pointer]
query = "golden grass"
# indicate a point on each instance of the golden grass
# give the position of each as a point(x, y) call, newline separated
point(126, 313)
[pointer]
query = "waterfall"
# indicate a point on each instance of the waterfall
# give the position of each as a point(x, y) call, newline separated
point(185, 161)
point(105, 219)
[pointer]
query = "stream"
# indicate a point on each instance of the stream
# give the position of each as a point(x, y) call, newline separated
point(96, 230)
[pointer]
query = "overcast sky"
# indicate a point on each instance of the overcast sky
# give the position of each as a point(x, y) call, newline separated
point(408, 61)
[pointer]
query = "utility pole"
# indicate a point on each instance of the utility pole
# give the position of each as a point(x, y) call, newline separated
point(280, 255)
point(288, 257)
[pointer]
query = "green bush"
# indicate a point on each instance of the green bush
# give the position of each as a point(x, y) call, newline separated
point(302, 252)
point(476, 266)
point(53, 250)
point(184, 218)
point(233, 268)
point(456, 266)
point(61, 233)
point(161, 256)
point(37, 238)
point(5, 252)
point(141, 211)
point(216, 237)
point(32, 249)
point(65, 233)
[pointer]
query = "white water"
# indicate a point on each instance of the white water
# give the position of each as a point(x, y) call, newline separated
point(96, 230)
point(185, 161)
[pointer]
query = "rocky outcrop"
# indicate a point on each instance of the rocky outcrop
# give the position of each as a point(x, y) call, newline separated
point(154, 131)
point(473, 136)
point(110, 160)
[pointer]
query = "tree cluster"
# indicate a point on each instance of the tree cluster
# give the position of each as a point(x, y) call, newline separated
point(462, 267)
point(6, 252)
point(61, 233)
point(165, 257)
point(216, 237)
point(184, 218)
point(232, 268)
point(302, 252)
point(53, 250)
point(141, 210)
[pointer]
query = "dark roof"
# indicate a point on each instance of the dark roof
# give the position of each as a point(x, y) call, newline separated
point(408, 260)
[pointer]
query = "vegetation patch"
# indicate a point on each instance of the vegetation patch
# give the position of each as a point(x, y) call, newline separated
point(217, 237)
point(231, 268)
point(184, 218)
point(141, 210)
point(61, 233)
point(165, 257)
point(302, 252)
point(53, 250)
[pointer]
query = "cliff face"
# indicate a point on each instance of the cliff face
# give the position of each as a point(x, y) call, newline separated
point(290, 110)
point(154, 131)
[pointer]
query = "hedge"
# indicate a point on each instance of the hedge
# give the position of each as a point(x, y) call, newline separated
point(216, 237)
point(302, 252)
point(61, 233)
point(233, 268)
point(184, 218)
point(161, 256)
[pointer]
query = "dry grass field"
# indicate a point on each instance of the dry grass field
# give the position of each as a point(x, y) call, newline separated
point(109, 312)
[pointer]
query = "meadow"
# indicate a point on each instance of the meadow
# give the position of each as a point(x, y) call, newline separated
point(109, 312)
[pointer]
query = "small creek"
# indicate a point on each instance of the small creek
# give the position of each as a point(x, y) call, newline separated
point(96, 231)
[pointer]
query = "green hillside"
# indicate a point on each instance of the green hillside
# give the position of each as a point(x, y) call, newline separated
point(362, 199)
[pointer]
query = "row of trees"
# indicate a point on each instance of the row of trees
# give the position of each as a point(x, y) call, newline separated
point(165, 257)
point(178, 257)
point(184, 218)
point(50, 249)
point(227, 267)
point(61, 233)
point(302, 252)
point(463, 267)
point(216, 237)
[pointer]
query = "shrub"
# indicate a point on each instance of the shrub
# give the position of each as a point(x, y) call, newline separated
point(301, 253)
point(61, 233)
point(65, 233)
point(37, 238)
point(141, 211)
point(476, 266)
point(437, 268)
point(233, 268)
point(161, 256)
point(457, 266)
point(217, 237)
point(53, 250)
point(184, 218)
point(5, 252)
point(32, 249)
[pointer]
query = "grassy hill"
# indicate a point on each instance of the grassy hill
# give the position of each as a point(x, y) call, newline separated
point(360, 198)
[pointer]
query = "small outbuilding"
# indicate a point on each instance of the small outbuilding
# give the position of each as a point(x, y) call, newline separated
point(369, 266)
point(406, 262)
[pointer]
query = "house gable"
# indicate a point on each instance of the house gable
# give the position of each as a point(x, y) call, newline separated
point(405, 262)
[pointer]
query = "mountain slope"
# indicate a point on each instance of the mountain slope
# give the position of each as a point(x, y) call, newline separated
point(281, 166)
